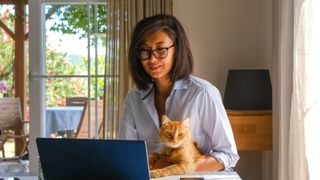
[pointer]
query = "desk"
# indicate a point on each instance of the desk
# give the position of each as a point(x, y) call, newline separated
point(252, 129)
point(21, 176)
point(219, 175)
point(62, 118)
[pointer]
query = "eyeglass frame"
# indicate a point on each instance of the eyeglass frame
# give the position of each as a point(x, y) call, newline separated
point(151, 52)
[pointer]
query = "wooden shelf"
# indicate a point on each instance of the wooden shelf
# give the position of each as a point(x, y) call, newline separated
point(252, 129)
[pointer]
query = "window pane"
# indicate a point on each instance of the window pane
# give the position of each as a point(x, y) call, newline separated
point(70, 46)
point(67, 38)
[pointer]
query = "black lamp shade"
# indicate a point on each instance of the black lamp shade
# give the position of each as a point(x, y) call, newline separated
point(248, 90)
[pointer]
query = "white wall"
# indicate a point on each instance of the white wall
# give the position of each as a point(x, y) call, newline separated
point(229, 34)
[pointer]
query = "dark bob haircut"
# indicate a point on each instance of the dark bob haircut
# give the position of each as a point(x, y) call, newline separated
point(183, 60)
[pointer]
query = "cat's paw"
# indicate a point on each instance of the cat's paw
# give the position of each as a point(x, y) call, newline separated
point(159, 173)
point(156, 173)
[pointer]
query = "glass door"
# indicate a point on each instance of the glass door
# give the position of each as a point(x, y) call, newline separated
point(67, 61)
point(75, 61)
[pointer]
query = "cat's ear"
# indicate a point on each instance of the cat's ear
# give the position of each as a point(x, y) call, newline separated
point(187, 121)
point(164, 120)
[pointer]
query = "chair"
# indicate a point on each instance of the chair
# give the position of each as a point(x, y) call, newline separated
point(83, 129)
point(76, 101)
point(12, 127)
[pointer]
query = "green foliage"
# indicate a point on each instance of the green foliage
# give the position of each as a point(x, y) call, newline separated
point(6, 59)
point(68, 20)
point(59, 88)
point(73, 19)
point(7, 49)
point(100, 70)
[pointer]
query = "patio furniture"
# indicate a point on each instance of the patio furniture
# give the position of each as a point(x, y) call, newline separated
point(76, 101)
point(86, 127)
point(12, 127)
point(63, 119)
point(83, 128)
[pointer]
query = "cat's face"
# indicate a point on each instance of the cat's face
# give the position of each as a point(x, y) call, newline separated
point(174, 133)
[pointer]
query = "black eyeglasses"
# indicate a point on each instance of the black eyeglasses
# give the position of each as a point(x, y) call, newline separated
point(159, 53)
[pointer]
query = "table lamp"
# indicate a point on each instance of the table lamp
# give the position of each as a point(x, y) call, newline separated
point(248, 89)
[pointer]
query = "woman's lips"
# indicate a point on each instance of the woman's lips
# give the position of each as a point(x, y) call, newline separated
point(155, 68)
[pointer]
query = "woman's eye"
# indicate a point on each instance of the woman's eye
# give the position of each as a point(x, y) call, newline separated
point(158, 50)
point(144, 52)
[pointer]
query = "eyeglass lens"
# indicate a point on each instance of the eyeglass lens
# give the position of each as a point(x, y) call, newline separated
point(159, 53)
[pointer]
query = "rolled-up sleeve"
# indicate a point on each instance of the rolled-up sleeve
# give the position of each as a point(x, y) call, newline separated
point(217, 127)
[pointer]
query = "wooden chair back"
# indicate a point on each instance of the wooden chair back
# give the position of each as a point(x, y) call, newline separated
point(83, 128)
point(10, 114)
point(76, 101)
point(12, 124)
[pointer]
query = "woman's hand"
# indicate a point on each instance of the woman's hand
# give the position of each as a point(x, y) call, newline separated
point(209, 163)
point(158, 161)
point(162, 163)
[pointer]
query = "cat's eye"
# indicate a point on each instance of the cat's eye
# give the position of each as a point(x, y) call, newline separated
point(169, 134)
point(180, 134)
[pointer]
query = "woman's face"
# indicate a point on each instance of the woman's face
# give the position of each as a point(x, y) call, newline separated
point(158, 68)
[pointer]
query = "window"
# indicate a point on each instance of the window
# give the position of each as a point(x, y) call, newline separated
point(72, 64)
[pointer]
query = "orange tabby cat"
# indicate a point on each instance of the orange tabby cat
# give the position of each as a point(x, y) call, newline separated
point(179, 149)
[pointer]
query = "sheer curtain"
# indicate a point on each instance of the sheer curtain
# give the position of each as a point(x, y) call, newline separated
point(122, 15)
point(305, 113)
point(297, 101)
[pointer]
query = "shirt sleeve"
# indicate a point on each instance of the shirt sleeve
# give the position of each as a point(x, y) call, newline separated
point(127, 127)
point(217, 127)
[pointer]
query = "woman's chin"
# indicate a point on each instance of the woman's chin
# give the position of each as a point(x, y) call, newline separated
point(156, 75)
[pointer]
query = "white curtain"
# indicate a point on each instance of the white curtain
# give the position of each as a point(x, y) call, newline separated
point(297, 100)
point(305, 113)
point(122, 15)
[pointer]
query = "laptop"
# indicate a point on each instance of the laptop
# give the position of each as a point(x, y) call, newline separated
point(93, 159)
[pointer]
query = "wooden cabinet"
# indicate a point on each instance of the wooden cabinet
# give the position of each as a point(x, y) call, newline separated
point(252, 129)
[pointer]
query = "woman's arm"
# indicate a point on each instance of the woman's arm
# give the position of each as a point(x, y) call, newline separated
point(219, 144)
point(209, 164)
point(206, 164)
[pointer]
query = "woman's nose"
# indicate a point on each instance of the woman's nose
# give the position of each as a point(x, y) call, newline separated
point(152, 58)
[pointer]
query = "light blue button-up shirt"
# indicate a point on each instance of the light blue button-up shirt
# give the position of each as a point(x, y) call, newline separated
point(191, 97)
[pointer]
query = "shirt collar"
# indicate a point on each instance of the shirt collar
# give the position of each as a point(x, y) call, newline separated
point(179, 84)
point(145, 93)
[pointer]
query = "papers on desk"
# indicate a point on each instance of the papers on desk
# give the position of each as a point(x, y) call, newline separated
point(219, 175)
point(20, 176)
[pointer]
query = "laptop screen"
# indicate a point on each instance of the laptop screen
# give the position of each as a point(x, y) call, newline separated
point(93, 159)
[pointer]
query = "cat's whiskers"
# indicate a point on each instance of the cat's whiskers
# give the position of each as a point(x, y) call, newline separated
point(178, 147)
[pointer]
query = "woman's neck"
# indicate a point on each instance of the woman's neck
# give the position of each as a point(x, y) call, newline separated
point(164, 87)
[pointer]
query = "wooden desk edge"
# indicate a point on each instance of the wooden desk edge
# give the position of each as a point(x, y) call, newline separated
point(232, 112)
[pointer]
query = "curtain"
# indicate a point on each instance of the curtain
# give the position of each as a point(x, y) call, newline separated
point(297, 92)
point(282, 91)
point(122, 15)
point(305, 112)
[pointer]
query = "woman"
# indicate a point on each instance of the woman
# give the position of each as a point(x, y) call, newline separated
point(161, 62)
